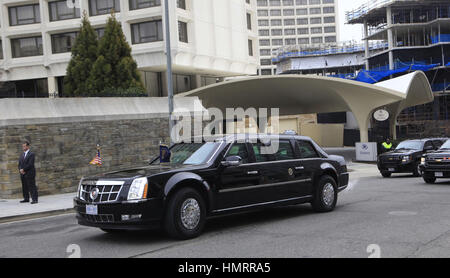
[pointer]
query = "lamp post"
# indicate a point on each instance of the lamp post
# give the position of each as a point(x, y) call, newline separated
point(169, 67)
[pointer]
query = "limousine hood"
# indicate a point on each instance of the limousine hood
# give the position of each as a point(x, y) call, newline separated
point(146, 171)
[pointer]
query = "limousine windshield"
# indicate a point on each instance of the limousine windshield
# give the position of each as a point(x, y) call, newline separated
point(191, 154)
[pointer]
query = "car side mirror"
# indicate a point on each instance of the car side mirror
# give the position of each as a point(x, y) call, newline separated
point(232, 161)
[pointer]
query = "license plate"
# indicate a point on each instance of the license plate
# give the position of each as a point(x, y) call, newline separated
point(391, 169)
point(439, 174)
point(92, 210)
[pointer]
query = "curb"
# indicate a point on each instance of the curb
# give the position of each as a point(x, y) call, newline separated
point(36, 215)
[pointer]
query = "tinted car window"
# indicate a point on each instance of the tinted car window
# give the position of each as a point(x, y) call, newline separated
point(259, 156)
point(410, 145)
point(307, 150)
point(428, 144)
point(438, 143)
point(239, 150)
point(285, 151)
point(191, 154)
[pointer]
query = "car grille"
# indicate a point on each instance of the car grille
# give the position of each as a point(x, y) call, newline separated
point(101, 218)
point(106, 193)
point(391, 159)
point(442, 163)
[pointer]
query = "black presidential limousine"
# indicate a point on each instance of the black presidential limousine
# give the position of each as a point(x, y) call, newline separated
point(226, 175)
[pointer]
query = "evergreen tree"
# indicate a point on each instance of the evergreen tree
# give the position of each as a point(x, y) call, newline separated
point(114, 73)
point(84, 55)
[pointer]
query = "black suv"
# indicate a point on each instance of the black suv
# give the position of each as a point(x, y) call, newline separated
point(436, 164)
point(226, 175)
point(407, 156)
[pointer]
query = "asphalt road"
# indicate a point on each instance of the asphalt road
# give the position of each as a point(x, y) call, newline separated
point(399, 217)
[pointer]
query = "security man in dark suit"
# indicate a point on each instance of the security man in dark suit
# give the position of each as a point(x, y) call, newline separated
point(28, 175)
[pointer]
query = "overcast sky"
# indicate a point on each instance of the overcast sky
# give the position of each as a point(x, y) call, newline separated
point(349, 32)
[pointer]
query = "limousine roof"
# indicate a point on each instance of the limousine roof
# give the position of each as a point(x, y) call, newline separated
point(242, 136)
point(305, 94)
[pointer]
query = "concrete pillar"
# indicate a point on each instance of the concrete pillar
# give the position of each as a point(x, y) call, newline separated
point(390, 37)
point(393, 126)
point(366, 43)
point(52, 87)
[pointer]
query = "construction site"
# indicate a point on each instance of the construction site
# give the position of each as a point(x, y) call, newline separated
point(417, 36)
point(400, 36)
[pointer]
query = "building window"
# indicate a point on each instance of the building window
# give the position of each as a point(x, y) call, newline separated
point(263, 13)
point(302, 21)
point(289, 32)
point(100, 32)
point(264, 42)
point(290, 41)
point(99, 7)
point(63, 42)
point(277, 32)
point(330, 39)
point(250, 48)
point(275, 3)
point(249, 21)
point(316, 30)
point(264, 52)
point(22, 15)
point(262, 3)
point(302, 11)
point(289, 12)
point(275, 12)
point(289, 22)
point(1, 50)
point(330, 29)
point(327, 1)
point(314, 10)
point(59, 10)
point(182, 32)
point(329, 19)
point(147, 32)
point(317, 40)
point(266, 62)
point(316, 20)
point(303, 41)
point(314, 2)
point(26, 47)
point(263, 22)
point(142, 4)
point(328, 10)
point(277, 42)
point(302, 31)
point(264, 32)
point(276, 22)
point(181, 4)
point(266, 72)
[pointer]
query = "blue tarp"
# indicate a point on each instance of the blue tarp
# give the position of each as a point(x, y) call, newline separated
point(441, 38)
point(448, 65)
point(372, 77)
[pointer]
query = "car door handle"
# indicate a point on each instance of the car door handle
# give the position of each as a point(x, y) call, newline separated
point(253, 173)
point(300, 168)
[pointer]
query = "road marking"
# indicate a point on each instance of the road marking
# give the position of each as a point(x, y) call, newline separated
point(403, 213)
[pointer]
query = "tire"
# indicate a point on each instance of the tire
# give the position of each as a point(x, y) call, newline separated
point(416, 172)
point(429, 180)
point(386, 174)
point(189, 228)
point(322, 203)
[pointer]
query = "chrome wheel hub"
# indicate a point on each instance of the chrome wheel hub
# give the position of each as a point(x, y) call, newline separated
point(190, 214)
point(328, 194)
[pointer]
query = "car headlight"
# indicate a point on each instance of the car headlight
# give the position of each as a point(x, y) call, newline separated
point(422, 160)
point(138, 189)
point(79, 188)
point(406, 158)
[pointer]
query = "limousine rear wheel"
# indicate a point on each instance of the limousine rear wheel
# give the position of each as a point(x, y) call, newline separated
point(185, 215)
point(326, 194)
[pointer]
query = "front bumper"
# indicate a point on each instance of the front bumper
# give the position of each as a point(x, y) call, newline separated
point(109, 215)
point(397, 167)
point(435, 171)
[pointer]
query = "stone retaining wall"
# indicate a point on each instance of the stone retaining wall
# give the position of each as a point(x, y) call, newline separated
point(63, 151)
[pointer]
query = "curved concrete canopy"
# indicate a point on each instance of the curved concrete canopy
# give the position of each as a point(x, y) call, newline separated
point(301, 94)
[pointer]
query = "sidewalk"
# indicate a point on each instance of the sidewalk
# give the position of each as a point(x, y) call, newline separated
point(13, 210)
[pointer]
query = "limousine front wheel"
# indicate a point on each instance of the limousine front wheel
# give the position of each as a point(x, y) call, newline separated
point(325, 197)
point(185, 214)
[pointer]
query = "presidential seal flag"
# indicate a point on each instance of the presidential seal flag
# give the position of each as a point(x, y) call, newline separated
point(97, 159)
